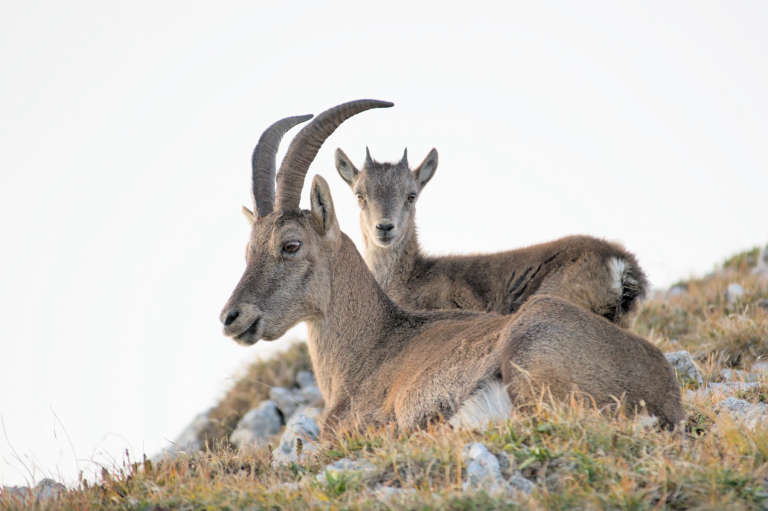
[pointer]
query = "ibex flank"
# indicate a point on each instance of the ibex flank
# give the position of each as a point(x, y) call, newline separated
point(600, 276)
point(377, 363)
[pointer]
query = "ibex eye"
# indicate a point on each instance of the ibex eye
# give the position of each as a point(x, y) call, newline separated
point(411, 197)
point(291, 247)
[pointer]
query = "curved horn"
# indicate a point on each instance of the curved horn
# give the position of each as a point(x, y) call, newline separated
point(305, 145)
point(368, 159)
point(404, 159)
point(263, 163)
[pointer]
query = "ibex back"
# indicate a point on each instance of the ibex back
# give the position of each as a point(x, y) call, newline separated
point(377, 363)
point(600, 276)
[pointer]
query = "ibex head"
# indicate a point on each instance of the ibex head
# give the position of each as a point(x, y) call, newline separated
point(386, 194)
point(287, 274)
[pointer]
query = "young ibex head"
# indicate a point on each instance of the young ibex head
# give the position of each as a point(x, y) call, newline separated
point(288, 258)
point(386, 194)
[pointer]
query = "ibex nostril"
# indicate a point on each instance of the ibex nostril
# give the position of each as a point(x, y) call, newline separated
point(385, 227)
point(231, 317)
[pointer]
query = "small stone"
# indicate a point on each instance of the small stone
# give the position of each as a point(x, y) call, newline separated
point(49, 489)
point(362, 468)
point(761, 268)
point(763, 302)
point(684, 366)
point(290, 400)
point(520, 483)
point(299, 430)
point(483, 471)
point(189, 440)
point(738, 375)
point(677, 290)
point(305, 379)
point(748, 413)
point(733, 293)
point(257, 426)
point(388, 493)
point(286, 400)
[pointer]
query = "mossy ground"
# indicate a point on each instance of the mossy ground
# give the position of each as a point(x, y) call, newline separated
point(579, 458)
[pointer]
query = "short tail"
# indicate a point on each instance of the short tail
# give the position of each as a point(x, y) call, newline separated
point(629, 283)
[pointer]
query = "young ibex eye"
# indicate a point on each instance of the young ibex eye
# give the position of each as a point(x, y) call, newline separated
point(360, 198)
point(411, 197)
point(291, 247)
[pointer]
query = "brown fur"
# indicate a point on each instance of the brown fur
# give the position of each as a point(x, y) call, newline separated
point(576, 268)
point(377, 363)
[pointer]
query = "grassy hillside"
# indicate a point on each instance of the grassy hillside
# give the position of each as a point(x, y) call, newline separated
point(575, 456)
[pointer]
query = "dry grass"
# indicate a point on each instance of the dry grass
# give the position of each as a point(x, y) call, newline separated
point(578, 457)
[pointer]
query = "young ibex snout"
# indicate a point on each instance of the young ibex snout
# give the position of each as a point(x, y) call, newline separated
point(386, 194)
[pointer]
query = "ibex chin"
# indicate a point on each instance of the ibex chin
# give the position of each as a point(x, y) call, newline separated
point(600, 276)
point(377, 363)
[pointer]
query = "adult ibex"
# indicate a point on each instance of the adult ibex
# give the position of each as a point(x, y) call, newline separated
point(600, 276)
point(377, 363)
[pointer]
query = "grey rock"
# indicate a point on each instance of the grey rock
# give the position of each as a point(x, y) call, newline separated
point(257, 426)
point(734, 292)
point(520, 483)
point(290, 400)
point(46, 489)
point(360, 468)
point(305, 379)
point(189, 439)
point(677, 290)
point(738, 375)
point(762, 262)
point(750, 414)
point(299, 428)
point(483, 470)
point(287, 400)
point(389, 494)
point(727, 387)
point(760, 368)
point(763, 302)
point(49, 489)
point(684, 366)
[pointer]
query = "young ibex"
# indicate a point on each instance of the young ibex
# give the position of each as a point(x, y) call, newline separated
point(377, 363)
point(600, 276)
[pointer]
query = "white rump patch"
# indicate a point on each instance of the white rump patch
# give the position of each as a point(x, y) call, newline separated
point(489, 404)
point(619, 275)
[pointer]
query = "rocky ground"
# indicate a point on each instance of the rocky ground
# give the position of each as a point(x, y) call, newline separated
point(258, 448)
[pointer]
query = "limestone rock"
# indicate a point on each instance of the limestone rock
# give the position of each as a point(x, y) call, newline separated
point(733, 293)
point(362, 468)
point(749, 414)
point(483, 470)
point(257, 425)
point(299, 440)
point(684, 366)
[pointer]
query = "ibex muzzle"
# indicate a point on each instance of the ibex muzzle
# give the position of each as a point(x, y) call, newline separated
point(286, 280)
point(386, 194)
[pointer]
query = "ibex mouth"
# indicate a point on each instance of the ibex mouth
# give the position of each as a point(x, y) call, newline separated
point(251, 334)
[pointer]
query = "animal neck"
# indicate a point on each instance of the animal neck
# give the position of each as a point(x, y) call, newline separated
point(393, 265)
point(347, 343)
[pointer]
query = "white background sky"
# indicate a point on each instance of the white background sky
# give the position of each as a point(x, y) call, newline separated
point(126, 135)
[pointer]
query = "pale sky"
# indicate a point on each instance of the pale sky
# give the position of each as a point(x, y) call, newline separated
point(127, 129)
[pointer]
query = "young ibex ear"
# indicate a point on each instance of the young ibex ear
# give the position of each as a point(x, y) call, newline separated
point(322, 205)
point(347, 170)
point(424, 172)
point(249, 215)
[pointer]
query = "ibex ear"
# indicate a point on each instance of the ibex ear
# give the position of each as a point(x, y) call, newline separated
point(346, 169)
point(249, 215)
point(323, 214)
point(424, 172)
